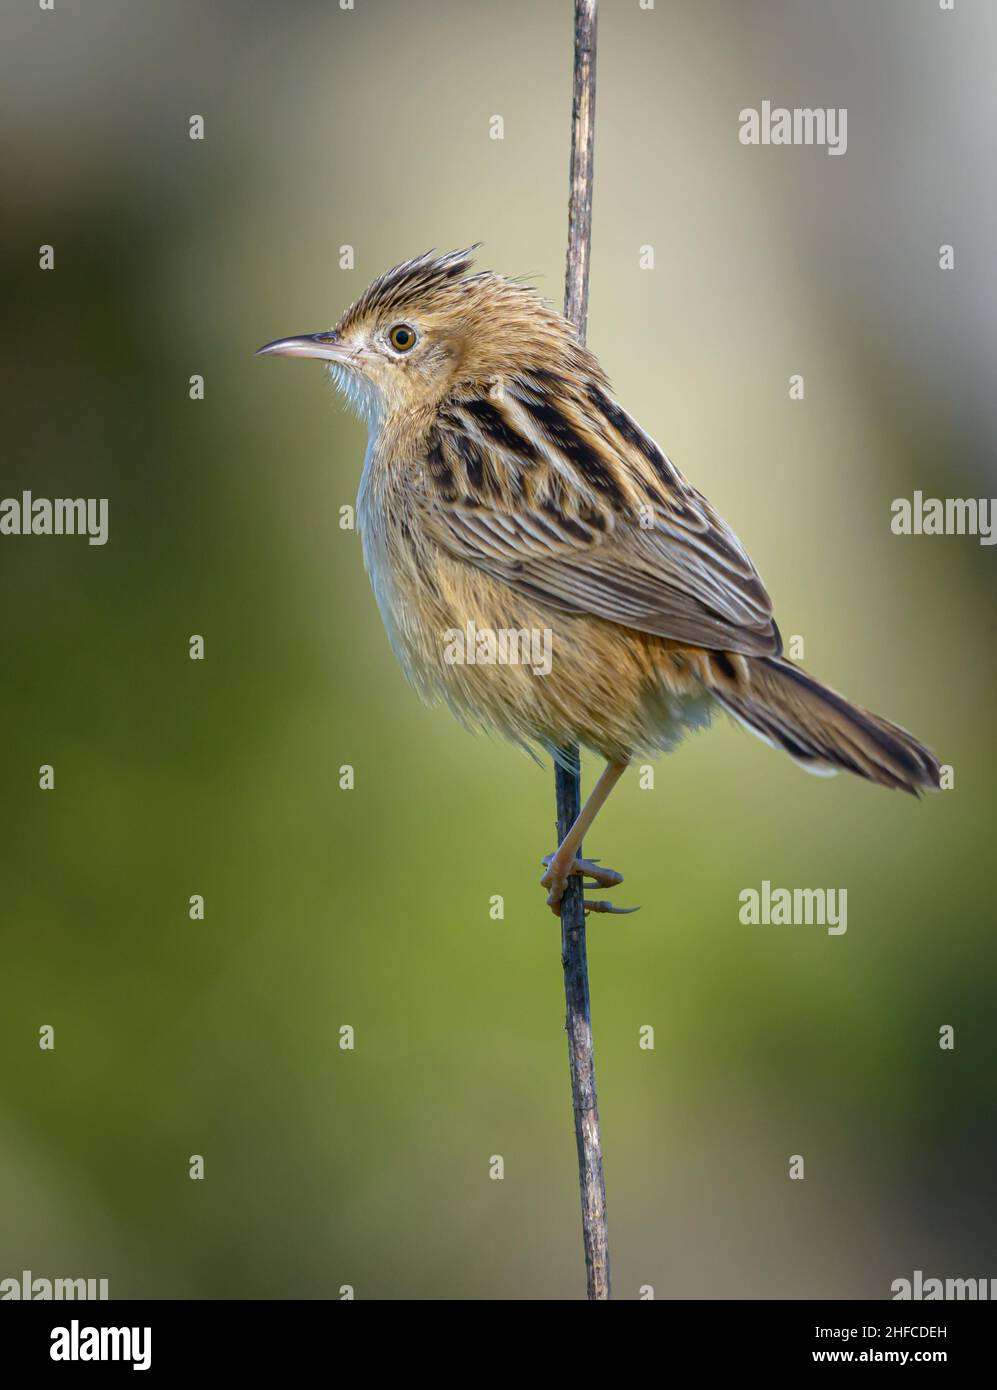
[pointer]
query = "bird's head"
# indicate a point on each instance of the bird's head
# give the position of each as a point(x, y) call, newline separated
point(430, 326)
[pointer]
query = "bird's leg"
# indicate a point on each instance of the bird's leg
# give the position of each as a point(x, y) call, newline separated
point(564, 861)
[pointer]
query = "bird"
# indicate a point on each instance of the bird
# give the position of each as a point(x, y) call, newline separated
point(505, 490)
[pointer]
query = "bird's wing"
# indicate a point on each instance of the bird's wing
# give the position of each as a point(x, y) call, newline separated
point(560, 494)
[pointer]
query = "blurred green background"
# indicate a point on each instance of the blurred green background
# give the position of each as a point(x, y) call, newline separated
point(370, 907)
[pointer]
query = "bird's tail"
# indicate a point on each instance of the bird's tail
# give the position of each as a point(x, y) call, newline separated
point(822, 730)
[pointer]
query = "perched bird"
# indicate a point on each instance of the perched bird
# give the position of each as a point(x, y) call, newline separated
point(504, 490)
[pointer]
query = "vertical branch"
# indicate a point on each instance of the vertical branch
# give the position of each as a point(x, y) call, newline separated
point(576, 279)
point(567, 774)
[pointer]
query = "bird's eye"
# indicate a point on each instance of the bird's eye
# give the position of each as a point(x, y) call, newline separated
point(401, 337)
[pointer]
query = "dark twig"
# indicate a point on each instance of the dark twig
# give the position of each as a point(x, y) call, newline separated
point(567, 775)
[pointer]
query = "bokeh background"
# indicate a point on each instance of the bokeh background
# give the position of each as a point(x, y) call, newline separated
point(370, 908)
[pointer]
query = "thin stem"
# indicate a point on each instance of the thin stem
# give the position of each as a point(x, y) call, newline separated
point(567, 774)
point(576, 279)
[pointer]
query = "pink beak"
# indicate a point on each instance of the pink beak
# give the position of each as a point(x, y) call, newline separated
point(322, 345)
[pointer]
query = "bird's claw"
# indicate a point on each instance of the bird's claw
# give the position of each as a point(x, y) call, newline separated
point(556, 882)
point(597, 906)
point(602, 878)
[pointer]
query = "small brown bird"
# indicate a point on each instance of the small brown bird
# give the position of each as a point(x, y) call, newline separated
point(509, 507)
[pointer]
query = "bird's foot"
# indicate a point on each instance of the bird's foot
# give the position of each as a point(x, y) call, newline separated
point(555, 880)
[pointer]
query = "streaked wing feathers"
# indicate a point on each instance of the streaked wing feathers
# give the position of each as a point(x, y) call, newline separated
point(561, 495)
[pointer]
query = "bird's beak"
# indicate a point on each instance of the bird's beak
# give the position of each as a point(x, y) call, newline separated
point(323, 345)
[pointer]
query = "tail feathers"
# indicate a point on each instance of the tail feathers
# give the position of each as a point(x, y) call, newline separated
point(822, 730)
